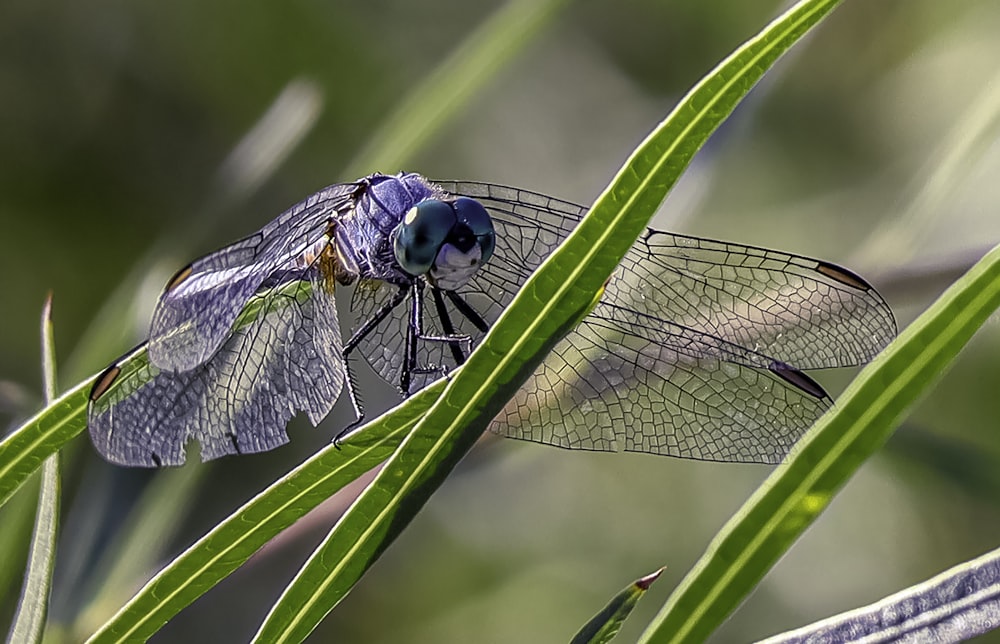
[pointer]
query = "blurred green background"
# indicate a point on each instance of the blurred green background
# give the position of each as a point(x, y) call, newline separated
point(135, 136)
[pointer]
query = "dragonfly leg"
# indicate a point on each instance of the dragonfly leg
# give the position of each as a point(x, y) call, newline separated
point(356, 403)
point(410, 363)
point(417, 320)
point(352, 388)
point(447, 326)
point(415, 334)
point(466, 310)
point(376, 319)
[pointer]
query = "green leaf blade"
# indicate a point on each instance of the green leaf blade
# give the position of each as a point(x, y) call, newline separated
point(956, 605)
point(32, 609)
point(25, 449)
point(424, 459)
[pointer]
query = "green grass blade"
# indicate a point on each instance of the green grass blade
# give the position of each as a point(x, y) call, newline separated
point(798, 490)
point(604, 626)
point(956, 605)
point(437, 99)
point(27, 447)
point(48, 353)
point(235, 539)
point(29, 620)
point(552, 298)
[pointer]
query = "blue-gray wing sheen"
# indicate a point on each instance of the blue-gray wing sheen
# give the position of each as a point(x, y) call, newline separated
point(283, 355)
point(196, 312)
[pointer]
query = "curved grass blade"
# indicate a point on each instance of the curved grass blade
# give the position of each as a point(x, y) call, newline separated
point(243, 533)
point(604, 626)
point(29, 620)
point(554, 295)
point(799, 489)
point(956, 605)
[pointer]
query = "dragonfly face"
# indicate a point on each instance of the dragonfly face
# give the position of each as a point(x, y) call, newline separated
point(696, 350)
point(445, 240)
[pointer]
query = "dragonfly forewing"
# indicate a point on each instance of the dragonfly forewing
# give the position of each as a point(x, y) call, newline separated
point(196, 312)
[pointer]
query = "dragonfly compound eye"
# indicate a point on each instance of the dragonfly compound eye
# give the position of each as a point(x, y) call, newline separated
point(417, 240)
point(471, 213)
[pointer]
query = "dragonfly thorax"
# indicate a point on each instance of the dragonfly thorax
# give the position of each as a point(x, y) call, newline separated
point(446, 241)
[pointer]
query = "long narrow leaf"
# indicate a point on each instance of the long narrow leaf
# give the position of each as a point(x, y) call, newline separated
point(555, 294)
point(25, 449)
point(29, 621)
point(418, 468)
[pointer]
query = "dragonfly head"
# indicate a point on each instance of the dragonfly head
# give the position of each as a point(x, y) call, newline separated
point(445, 240)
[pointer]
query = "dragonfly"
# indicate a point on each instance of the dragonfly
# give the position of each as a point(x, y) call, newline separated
point(698, 348)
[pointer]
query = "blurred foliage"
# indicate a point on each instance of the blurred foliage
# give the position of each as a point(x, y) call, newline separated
point(118, 119)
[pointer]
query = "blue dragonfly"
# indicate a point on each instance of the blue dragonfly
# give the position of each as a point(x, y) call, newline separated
point(696, 350)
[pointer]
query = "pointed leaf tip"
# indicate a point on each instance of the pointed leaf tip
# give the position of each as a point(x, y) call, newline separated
point(643, 583)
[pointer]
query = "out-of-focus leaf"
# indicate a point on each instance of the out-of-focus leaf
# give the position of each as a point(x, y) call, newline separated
point(479, 57)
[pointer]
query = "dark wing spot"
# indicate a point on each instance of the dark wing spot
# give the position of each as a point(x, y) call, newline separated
point(104, 381)
point(178, 277)
point(797, 379)
point(843, 276)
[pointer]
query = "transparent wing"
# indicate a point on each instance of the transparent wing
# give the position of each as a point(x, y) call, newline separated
point(602, 389)
point(384, 348)
point(283, 356)
point(695, 348)
point(196, 311)
point(801, 311)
